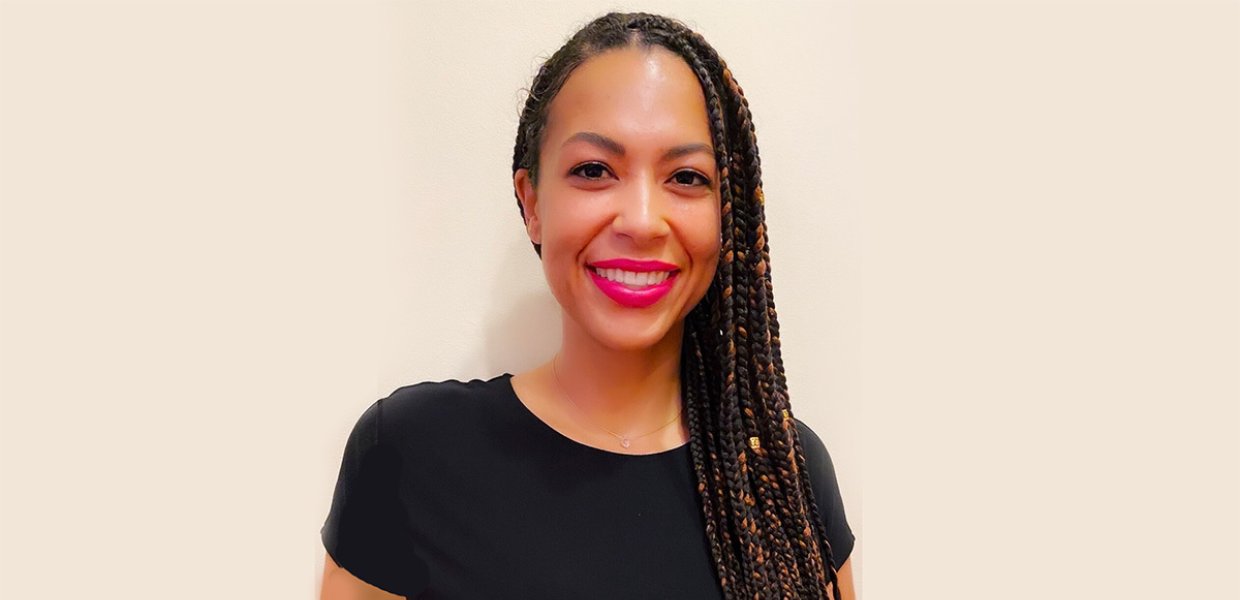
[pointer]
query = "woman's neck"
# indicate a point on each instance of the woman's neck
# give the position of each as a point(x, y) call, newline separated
point(626, 391)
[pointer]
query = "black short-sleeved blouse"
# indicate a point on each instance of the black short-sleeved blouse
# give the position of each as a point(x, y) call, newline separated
point(456, 490)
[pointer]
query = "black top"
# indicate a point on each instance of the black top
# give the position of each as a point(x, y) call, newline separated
point(456, 490)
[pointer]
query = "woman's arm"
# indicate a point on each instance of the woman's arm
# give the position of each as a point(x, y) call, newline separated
point(844, 576)
point(339, 584)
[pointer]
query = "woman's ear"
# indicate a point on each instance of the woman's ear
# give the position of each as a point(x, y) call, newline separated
point(528, 196)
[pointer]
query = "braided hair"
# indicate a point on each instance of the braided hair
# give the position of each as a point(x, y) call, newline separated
point(766, 537)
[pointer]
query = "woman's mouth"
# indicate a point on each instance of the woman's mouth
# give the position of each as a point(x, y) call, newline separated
point(633, 289)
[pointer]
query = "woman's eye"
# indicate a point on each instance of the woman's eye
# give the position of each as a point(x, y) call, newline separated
point(690, 178)
point(590, 171)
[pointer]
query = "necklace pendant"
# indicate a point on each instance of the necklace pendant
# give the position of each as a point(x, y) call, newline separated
point(624, 442)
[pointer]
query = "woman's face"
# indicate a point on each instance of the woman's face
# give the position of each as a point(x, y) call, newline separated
point(626, 171)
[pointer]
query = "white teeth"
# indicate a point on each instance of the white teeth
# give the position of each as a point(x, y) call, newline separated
point(633, 278)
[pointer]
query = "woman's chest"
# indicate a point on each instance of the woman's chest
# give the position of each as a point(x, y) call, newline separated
point(572, 529)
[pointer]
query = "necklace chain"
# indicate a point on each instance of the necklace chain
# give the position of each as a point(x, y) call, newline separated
point(625, 440)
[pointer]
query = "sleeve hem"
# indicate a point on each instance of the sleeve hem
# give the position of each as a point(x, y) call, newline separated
point(840, 555)
point(330, 546)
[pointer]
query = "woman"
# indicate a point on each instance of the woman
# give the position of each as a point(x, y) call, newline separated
point(655, 455)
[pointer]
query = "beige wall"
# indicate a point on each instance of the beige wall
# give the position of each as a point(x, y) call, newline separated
point(1003, 237)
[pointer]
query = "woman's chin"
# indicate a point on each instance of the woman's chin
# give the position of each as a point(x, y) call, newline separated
point(629, 336)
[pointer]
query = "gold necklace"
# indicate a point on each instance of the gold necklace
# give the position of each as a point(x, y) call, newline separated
point(625, 440)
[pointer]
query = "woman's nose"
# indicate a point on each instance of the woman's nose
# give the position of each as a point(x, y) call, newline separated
point(641, 211)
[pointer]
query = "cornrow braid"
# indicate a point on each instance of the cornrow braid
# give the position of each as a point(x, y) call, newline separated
point(765, 532)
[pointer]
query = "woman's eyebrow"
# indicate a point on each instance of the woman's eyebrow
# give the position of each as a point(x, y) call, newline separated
point(684, 149)
point(597, 139)
point(616, 148)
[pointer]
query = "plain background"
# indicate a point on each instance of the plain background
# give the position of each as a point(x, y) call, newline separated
point(1004, 245)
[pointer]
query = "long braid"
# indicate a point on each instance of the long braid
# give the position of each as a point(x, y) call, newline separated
point(741, 481)
point(705, 455)
point(755, 255)
point(766, 311)
point(766, 318)
point(762, 524)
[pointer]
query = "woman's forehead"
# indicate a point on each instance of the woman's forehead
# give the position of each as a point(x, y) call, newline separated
point(639, 94)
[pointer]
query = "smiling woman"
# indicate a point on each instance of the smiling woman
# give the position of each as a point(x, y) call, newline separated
point(655, 455)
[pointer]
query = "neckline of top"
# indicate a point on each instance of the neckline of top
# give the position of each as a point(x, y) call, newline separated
point(512, 394)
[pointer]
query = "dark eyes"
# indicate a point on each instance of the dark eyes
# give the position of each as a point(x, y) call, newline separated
point(594, 171)
point(590, 171)
point(690, 178)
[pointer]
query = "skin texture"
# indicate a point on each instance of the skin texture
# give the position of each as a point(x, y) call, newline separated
point(620, 365)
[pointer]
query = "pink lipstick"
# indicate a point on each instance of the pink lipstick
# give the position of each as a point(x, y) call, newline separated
point(631, 297)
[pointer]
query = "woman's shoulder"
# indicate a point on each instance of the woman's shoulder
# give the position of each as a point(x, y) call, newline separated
point(434, 396)
point(816, 454)
point(438, 408)
point(827, 495)
point(817, 459)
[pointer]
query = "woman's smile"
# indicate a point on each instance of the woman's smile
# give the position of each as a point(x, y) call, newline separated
point(633, 290)
point(633, 283)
